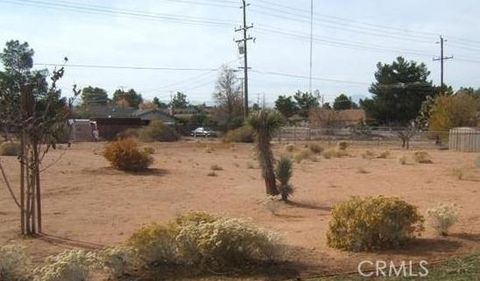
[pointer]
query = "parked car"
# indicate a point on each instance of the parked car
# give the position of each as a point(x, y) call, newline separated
point(203, 132)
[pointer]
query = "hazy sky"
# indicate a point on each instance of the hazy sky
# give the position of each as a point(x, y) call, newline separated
point(350, 38)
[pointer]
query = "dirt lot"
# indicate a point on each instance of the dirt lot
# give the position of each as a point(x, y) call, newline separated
point(87, 204)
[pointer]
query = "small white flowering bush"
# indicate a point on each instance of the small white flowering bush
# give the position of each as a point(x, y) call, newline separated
point(14, 263)
point(225, 242)
point(442, 217)
point(118, 260)
point(71, 265)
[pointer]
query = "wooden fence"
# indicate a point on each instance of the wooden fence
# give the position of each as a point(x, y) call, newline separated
point(464, 139)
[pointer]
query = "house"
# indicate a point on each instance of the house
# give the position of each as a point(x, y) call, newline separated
point(154, 114)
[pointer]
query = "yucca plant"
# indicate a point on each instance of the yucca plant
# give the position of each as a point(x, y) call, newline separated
point(284, 171)
point(265, 123)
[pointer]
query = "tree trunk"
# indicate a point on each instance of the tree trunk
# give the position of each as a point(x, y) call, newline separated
point(266, 163)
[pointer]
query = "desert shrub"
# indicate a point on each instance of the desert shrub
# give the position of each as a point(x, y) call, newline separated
point(216, 167)
point(149, 150)
point(305, 154)
point(128, 133)
point(243, 134)
point(289, 147)
point(442, 217)
point(9, 149)
point(14, 263)
point(157, 131)
point(225, 242)
point(383, 155)
point(118, 260)
point(422, 157)
point(342, 145)
point(125, 155)
point(368, 154)
point(204, 240)
point(284, 171)
point(154, 244)
point(402, 160)
point(373, 223)
point(315, 148)
point(334, 153)
point(212, 174)
point(71, 265)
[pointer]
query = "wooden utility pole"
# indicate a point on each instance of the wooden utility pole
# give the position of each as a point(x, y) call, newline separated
point(244, 41)
point(311, 46)
point(442, 59)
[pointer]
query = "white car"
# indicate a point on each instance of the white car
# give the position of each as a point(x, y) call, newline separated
point(203, 132)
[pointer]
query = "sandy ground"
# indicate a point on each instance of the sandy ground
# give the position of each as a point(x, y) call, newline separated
point(87, 204)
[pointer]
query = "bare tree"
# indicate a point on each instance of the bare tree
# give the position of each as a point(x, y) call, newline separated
point(228, 97)
point(406, 134)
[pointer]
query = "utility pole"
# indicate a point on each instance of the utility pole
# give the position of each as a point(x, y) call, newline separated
point(244, 41)
point(442, 59)
point(311, 45)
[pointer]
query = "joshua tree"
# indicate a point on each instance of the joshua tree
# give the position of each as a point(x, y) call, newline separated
point(264, 124)
point(284, 171)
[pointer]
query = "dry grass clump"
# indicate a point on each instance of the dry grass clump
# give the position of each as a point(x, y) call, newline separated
point(368, 154)
point(342, 145)
point(305, 154)
point(315, 148)
point(334, 153)
point(289, 148)
point(384, 155)
point(15, 265)
point(402, 160)
point(212, 174)
point(125, 155)
point(422, 157)
point(9, 149)
point(148, 149)
point(362, 170)
point(216, 167)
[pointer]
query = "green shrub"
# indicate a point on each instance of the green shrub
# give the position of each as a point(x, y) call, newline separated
point(315, 148)
point(125, 155)
point(9, 149)
point(157, 131)
point(373, 223)
point(243, 134)
point(284, 171)
point(71, 265)
point(14, 264)
point(422, 157)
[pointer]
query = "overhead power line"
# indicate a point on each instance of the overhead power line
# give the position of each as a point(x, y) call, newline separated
point(103, 10)
point(281, 74)
point(129, 67)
